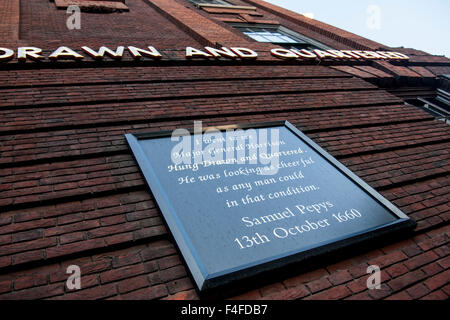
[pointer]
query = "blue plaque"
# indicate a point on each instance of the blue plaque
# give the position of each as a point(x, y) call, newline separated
point(241, 200)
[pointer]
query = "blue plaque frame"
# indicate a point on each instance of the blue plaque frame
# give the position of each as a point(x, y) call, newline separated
point(205, 281)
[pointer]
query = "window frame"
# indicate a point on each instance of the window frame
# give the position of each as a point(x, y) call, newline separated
point(259, 267)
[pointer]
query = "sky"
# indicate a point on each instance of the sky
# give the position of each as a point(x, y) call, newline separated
point(418, 24)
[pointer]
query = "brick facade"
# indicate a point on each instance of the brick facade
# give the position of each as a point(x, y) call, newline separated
point(72, 193)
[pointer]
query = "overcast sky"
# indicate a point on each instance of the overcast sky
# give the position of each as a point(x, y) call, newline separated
point(419, 24)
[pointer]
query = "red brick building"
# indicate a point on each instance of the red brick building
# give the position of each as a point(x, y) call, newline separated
point(72, 193)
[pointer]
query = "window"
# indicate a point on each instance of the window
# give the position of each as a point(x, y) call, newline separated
point(220, 2)
point(281, 36)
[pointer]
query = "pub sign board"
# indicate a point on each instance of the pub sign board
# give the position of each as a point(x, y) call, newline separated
point(244, 199)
